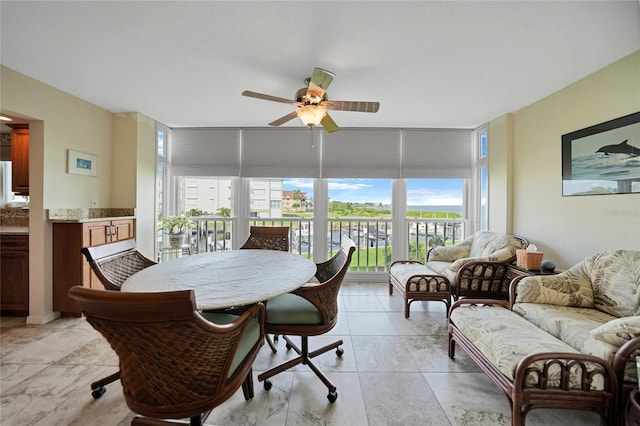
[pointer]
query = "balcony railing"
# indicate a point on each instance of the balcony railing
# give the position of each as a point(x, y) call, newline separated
point(373, 237)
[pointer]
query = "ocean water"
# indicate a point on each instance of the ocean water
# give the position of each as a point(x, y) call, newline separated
point(452, 209)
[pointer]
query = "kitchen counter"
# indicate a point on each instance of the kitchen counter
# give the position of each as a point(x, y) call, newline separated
point(14, 230)
point(93, 219)
point(82, 215)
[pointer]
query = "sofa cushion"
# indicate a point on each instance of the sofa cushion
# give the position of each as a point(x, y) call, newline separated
point(569, 288)
point(607, 352)
point(571, 325)
point(488, 243)
point(505, 337)
point(450, 253)
point(618, 331)
point(404, 271)
point(615, 277)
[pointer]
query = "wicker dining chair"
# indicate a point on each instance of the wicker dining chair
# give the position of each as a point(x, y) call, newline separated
point(113, 263)
point(268, 238)
point(174, 362)
point(311, 310)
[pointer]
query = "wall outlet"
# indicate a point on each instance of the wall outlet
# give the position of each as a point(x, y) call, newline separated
point(94, 203)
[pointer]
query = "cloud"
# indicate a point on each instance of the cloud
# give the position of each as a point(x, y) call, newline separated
point(433, 197)
point(347, 186)
point(298, 183)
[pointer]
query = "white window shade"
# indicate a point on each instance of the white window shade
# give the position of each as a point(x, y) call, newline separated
point(361, 153)
point(280, 153)
point(437, 153)
point(205, 152)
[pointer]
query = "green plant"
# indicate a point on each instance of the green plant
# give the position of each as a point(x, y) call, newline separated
point(224, 212)
point(175, 224)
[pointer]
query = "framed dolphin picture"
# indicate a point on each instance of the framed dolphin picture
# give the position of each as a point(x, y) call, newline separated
point(602, 159)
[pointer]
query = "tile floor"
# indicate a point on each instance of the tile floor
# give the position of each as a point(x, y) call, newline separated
point(394, 371)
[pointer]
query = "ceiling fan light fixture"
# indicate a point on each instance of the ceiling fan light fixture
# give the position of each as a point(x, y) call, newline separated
point(311, 115)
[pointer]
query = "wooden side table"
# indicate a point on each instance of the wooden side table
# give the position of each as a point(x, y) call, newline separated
point(514, 271)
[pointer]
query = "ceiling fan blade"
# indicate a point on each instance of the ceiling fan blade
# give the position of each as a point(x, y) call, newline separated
point(320, 80)
point(352, 106)
point(267, 97)
point(284, 119)
point(329, 125)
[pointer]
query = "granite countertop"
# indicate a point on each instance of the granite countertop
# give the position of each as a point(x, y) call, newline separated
point(92, 219)
point(82, 215)
point(14, 230)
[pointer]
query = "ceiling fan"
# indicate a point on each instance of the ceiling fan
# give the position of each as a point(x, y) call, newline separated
point(313, 104)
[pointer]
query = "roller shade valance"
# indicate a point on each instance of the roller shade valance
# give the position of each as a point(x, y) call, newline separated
point(280, 153)
point(349, 153)
point(361, 153)
point(205, 152)
point(437, 153)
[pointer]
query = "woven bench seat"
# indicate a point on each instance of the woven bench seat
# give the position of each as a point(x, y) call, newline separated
point(533, 368)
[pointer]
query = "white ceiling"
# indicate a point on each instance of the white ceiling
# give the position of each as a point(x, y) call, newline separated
point(433, 64)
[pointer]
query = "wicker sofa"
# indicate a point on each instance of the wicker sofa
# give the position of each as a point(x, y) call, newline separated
point(475, 267)
point(563, 341)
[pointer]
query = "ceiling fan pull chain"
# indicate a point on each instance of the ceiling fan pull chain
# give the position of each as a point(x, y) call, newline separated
point(310, 137)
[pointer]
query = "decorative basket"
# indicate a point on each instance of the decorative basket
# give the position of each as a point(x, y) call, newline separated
point(529, 260)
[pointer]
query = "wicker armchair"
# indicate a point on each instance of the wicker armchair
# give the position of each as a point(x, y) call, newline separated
point(112, 264)
point(174, 363)
point(311, 310)
point(268, 238)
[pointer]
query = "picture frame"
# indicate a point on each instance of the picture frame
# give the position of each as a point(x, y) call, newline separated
point(80, 163)
point(602, 159)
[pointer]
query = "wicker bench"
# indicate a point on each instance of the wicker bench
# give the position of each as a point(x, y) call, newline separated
point(562, 341)
point(532, 368)
point(475, 268)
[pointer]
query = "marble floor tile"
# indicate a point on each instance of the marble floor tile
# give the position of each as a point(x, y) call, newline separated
point(394, 371)
point(370, 323)
point(401, 399)
point(362, 303)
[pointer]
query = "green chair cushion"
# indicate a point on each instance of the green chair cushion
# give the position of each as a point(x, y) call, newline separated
point(292, 309)
point(249, 339)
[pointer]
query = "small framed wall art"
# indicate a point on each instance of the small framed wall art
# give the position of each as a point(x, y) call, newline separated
point(80, 163)
point(602, 159)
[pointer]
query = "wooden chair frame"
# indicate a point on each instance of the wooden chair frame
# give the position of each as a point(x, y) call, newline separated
point(174, 363)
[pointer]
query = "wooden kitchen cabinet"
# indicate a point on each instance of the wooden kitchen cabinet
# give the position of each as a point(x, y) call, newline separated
point(20, 161)
point(70, 267)
point(14, 275)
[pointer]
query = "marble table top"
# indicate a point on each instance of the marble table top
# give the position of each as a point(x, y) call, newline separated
point(225, 279)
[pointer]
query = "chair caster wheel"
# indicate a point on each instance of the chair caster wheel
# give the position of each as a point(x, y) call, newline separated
point(332, 397)
point(267, 384)
point(97, 393)
point(339, 352)
point(275, 338)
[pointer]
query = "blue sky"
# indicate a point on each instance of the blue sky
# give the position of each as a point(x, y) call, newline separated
point(420, 192)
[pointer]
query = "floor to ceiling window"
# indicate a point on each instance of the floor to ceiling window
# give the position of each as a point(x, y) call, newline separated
point(395, 192)
point(481, 177)
point(435, 214)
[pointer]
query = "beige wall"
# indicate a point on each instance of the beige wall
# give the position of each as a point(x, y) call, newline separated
point(500, 173)
point(567, 229)
point(58, 122)
point(134, 147)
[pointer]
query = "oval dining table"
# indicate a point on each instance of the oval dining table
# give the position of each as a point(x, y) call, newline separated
point(224, 279)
